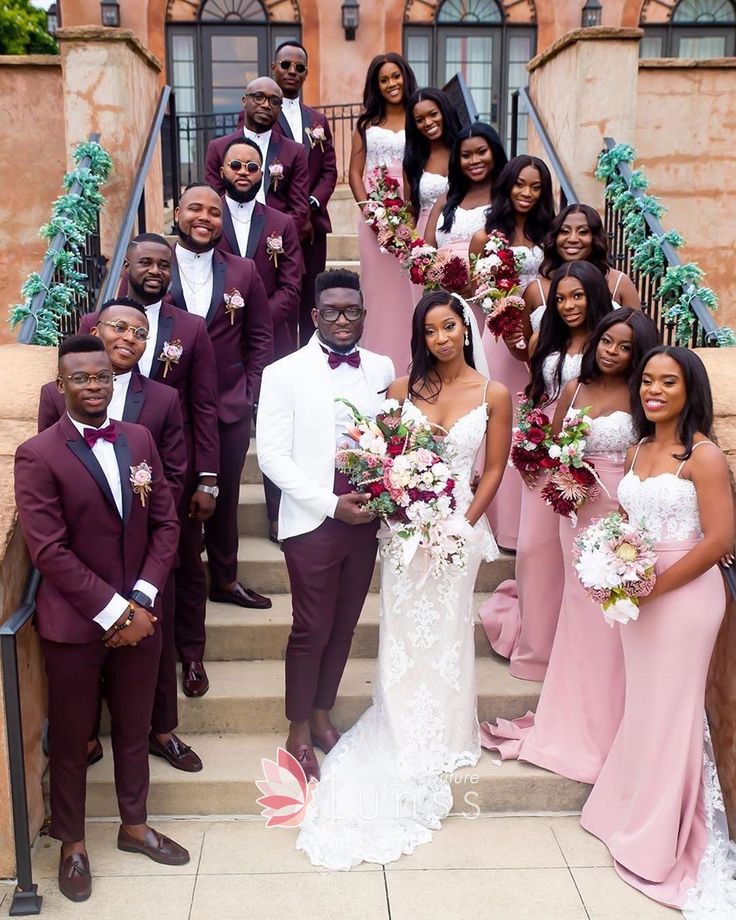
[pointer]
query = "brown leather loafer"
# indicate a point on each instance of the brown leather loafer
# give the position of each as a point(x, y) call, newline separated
point(178, 754)
point(241, 596)
point(75, 878)
point(96, 754)
point(195, 681)
point(155, 846)
point(327, 741)
point(304, 753)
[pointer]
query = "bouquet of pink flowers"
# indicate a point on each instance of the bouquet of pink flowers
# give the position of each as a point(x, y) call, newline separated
point(572, 480)
point(614, 561)
point(388, 214)
point(497, 275)
point(531, 440)
point(401, 465)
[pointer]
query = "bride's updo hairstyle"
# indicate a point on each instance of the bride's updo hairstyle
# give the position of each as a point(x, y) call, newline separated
point(645, 336)
point(697, 416)
point(422, 374)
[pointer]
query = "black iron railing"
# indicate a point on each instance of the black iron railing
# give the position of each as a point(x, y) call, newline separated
point(704, 330)
point(26, 900)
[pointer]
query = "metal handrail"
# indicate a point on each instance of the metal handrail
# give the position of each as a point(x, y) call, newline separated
point(136, 207)
point(28, 326)
point(701, 311)
point(26, 900)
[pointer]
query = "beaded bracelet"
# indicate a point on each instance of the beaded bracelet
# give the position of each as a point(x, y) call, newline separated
point(126, 623)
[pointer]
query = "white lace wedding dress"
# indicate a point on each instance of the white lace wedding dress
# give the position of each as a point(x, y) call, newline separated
point(385, 785)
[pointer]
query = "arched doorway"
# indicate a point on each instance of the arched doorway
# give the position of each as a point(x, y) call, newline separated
point(689, 29)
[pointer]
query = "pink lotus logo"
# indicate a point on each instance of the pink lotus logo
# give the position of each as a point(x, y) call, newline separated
point(286, 792)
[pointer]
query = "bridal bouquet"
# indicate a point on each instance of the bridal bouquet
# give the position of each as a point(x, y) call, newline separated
point(497, 275)
point(401, 465)
point(531, 440)
point(573, 479)
point(614, 561)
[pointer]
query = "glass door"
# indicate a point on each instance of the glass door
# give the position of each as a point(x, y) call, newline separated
point(477, 55)
point(232, 58)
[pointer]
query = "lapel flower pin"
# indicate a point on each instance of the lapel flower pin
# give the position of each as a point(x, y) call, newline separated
point(276, 172)
point(233, 301)
point(140, 478)
point(170, 354)
point(274, 248)
point(316, 136)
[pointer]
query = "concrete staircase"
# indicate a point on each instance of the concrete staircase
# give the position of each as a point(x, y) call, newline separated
point(241, 719)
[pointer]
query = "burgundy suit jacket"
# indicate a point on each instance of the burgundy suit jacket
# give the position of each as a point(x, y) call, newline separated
point(242, 348)
point(283, 281)
point(85, 551)
point(289, 194)
point(147, 403)
point(194, 378)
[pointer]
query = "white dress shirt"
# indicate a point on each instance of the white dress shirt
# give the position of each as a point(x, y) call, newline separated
point(195, 271)
point(153, 312)
point(104, 453)
point(242, 215)
point(120, 384)
point(263, 140)
point(349, 383)
point(292, 109)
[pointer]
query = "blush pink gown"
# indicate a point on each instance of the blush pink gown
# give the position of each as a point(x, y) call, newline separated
point(582, 699)
point(387, 290)
point(520, 617)
point(655, 805)
point(431, 187)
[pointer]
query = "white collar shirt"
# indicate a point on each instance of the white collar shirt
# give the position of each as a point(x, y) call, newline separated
point(120, 385)
point(263, 140)
point(349, 383)
point(292, 109)
point(242, 215)
point(195, 271)
point(153, 312)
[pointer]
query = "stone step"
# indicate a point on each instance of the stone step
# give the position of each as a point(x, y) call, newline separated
point(232, 764)
point(261, 567)
point(342, 246)
point(251, 471)
point(234, 634)
point(343, 211)
point(349, 264)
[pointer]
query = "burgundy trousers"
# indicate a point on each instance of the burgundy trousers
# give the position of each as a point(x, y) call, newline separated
point(75, 675)
point(190, 582)
point(165, 715)
point(315, 258)
point(330, 572)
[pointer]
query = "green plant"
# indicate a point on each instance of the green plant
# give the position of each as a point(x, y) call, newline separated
point(74, 215)
point(23, 29)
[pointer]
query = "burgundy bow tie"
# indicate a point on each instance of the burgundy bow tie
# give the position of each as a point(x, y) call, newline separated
point(108, 433)
point(335, 359)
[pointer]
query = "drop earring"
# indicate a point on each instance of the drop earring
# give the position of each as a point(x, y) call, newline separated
point(467, 337)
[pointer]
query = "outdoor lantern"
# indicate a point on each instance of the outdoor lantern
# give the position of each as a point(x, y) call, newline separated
point(52, 19)
point(110, 13)
point(350, 18)
point(592, 12)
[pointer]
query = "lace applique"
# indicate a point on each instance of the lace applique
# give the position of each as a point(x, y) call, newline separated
point(611, 435)
point(530, 268)
point(570, 370)
point(448, 666)
point(467, 222)
point(667, 504)
point(431, 187)
point(383, 147)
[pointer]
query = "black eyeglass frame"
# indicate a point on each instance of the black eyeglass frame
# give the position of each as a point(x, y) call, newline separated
point(357, 311)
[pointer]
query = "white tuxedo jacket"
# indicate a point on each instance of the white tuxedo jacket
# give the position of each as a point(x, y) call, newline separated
point(295, 432)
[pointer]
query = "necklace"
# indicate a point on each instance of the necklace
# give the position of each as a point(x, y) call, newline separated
point(241, 220)
point(195, 286)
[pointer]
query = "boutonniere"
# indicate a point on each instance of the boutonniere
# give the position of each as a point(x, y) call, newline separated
point(170, 353)
point(276, 172)
point(316, 135)
point(140, 478)
point(233, 301)
point(274, 247)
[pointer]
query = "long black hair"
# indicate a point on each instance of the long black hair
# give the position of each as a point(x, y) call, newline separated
point(554, 333)
point(697, 415)
point(416, 152)
point(458, 183)
point(374, 105)
point(422, 373)
point(502, 216)
point(645, 337)
point(599, 252)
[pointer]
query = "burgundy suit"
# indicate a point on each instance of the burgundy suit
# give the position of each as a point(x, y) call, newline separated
point(242, 349)
point(290, 194)
point(87, 552)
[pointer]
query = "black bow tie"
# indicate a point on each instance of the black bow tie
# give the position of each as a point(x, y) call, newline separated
point(93, 435)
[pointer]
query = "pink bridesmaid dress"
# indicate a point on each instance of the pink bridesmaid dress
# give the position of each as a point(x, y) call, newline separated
point(520, 617)
point(657, 802)
point(386, 288)
point(431, 187)
point(582, 699)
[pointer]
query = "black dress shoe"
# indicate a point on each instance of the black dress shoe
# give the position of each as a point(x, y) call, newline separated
point(96, 754)
point(155, 846)
point(178, 754)
point(195, 681)
point(242, 596)
point(75, 878)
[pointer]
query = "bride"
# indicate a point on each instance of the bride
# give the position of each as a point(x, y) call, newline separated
point(385, 785)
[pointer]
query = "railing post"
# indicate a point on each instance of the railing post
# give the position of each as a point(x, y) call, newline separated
point(174, 153)
point(142, 212)
point(514, 122)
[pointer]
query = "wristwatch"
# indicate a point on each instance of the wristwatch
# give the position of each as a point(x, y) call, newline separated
point(214, 491)
point(143, 600)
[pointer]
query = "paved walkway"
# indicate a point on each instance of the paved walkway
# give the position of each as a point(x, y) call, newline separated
point(490, 868)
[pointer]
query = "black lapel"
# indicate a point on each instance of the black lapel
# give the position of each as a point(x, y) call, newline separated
point(257, 223)
point(79, 447)
point(122, 454)
point(285, 126)
point(134, 399)
point(177, 291)
point(218, 286)
point(273, 154)
point(306, 123)
point(228, 230)
point(165, 328)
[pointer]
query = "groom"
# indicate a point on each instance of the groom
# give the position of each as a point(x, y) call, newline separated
point(329, 536)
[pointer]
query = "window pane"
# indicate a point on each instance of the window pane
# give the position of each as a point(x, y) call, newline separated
point(704, 11)
point(243, 10)
point(469, 11)
point(520, 53)
point(473, 57)
point(227, 74)
point(417, 53)
point(709, 46)
point(234, 48)
point(651, 46)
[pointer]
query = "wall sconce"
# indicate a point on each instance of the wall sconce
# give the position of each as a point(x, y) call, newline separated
point(350, 18)
point(110, 13)
point(52, 19)
point(592, 13)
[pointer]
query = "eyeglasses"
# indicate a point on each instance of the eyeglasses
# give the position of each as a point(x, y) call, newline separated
point(332, 314)
point(80, 379)
point(260, 98)
point(237, 165)
point(140, 333)
point(286, 65)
